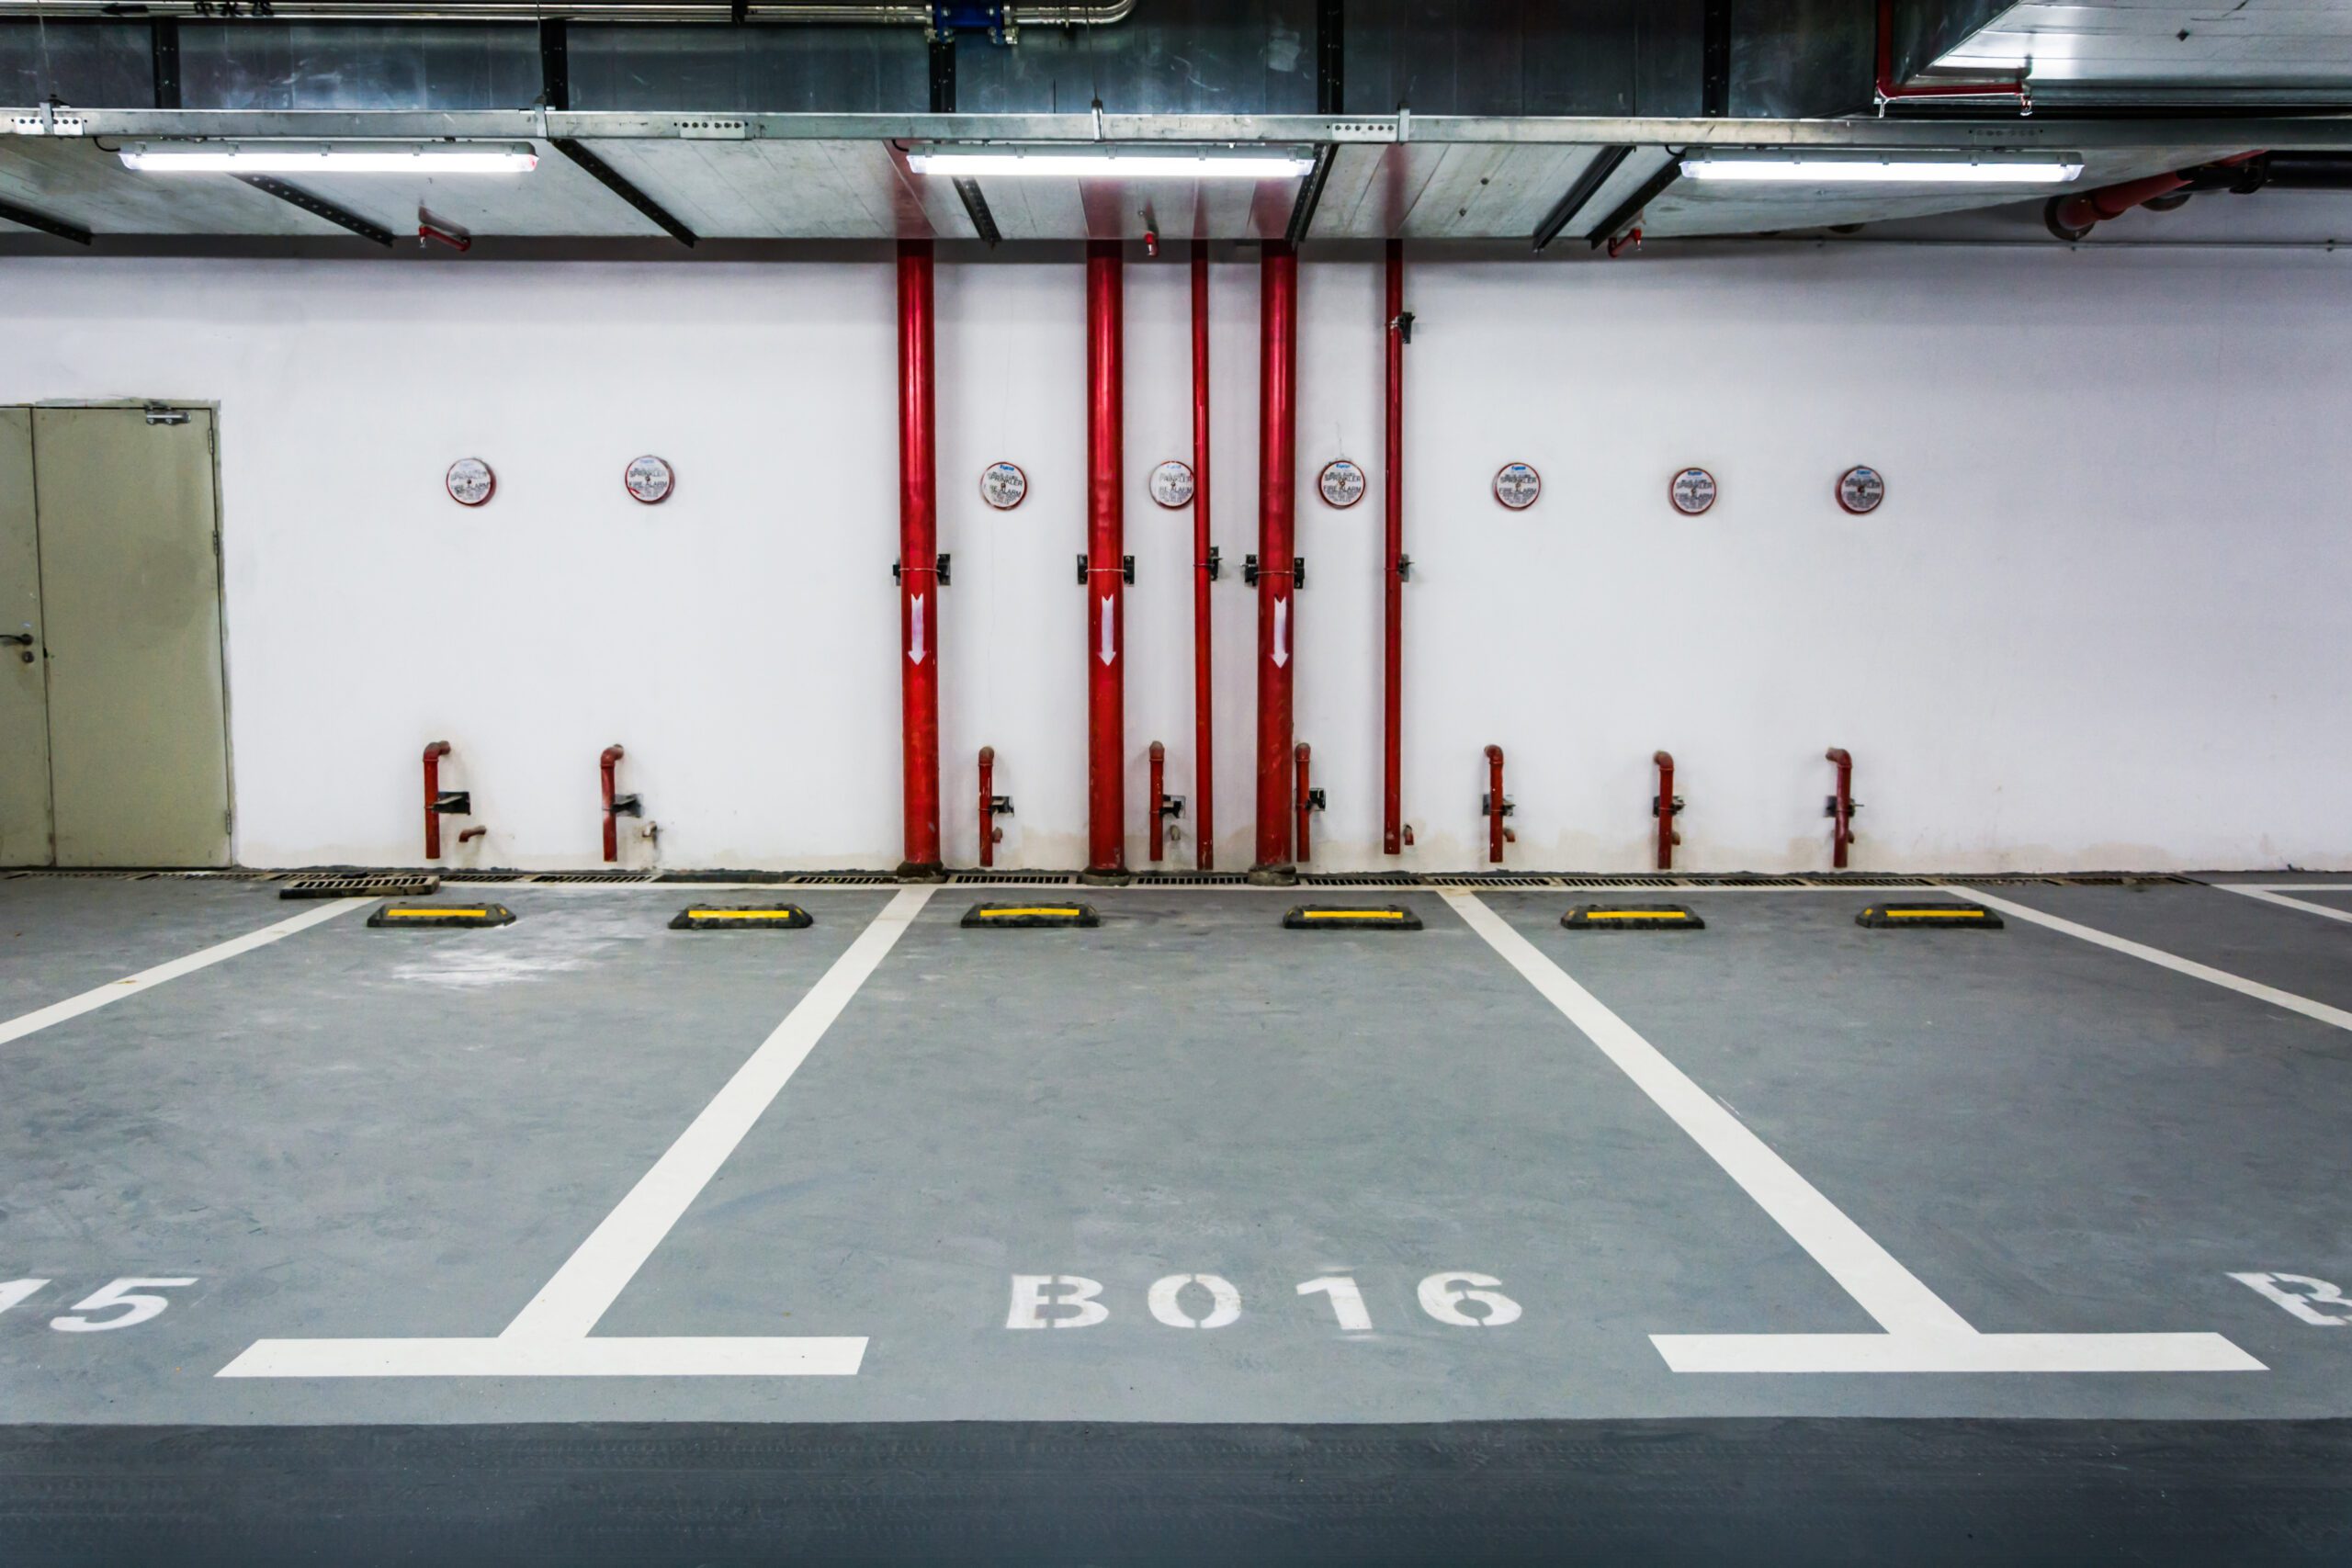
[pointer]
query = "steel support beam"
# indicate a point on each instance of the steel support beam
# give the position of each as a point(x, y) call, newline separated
point(319, 207)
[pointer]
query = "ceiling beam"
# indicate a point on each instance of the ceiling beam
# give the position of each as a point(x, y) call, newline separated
point(25, 217)
point(319, 207)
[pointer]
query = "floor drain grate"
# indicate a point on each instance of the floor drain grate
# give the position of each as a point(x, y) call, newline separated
point(360, 886)
point(843, 879)
point(1489, 879)
point(1362, 879)
point(617, 877)
point(1190, 879)
point(1012, 878)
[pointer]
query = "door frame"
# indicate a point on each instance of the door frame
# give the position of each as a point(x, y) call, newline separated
point(236, 824)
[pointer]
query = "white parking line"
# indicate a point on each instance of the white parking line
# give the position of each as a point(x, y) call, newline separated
point(2172, 961)
point(1923, 1333)
point(147, 979)
point(549, 1336)
point(2271, 895)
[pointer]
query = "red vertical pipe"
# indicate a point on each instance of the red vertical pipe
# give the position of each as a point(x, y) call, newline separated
point(1392, 765)
point(1663, 805)
point(1277, 539)
point(433, 755)
point(1106, 743)
point(1203, 747)
point(1305, 755)
point(918, 562)
point(1841, 806)
point(1495, 804)
point(1159, 801)
point(605, 763)
point(987, 806)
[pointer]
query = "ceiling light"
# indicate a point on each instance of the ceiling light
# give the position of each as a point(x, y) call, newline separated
point(356, 158)
point(1886, 168)
point(1108, 163)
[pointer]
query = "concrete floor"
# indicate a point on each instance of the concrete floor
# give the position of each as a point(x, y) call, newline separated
point(361, 1134)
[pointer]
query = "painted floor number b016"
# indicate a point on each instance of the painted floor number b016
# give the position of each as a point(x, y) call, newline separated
point(1458, 1298)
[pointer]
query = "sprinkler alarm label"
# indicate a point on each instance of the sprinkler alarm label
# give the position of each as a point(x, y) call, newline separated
point(1172, 484)
point(1692, 492)
point(1340, 483)
point(469, 482)
point(649, 480)
point(1517, 485)
point(1003, 485)
point(1859, 490)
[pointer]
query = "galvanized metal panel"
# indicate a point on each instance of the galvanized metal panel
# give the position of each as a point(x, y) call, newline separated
point(1523, 57)
point(780, 190)
point(73, 179)
point(1169, 57)
point(353, 65)
point(84, 63)
point(130, 587)
point(24, 687)
point(2168, 43)
point(1123, 210)
point(729, 70)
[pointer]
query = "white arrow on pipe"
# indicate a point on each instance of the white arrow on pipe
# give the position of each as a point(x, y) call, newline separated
point(1110, 636)
point(915, 637)
point(1281, 633)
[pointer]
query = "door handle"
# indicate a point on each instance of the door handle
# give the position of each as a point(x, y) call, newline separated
point(23, 640)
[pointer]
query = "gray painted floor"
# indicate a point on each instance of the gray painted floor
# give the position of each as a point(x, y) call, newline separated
point(357, 1133)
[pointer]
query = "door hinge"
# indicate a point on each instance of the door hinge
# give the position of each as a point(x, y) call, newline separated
point(228, 819)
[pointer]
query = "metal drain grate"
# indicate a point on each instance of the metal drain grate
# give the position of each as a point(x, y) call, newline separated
point(1011, 878)
point(594, 876)
point(1619, 881)
point(1488, 879)
point(362, 885)
point(843, 879)
point(488, 877)
point(1361, 879)
point(1190, 879)
point(691, 878)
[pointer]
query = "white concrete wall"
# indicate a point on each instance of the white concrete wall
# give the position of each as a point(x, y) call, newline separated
point(2097, 623)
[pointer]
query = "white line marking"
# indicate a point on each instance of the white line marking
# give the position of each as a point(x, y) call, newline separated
point(2172, 961)
point(502, 1357)
point(1885, 1289)
point(1972, 1352)
point(2269, 896)
point(146, 980)
point(549, 1336)
point(1924, 1333)
point(569, 1305)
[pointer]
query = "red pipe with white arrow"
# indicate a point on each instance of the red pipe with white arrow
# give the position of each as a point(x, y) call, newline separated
point(1106, 745)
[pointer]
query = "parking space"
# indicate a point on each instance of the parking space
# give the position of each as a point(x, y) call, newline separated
point(60, 935)
point(1185, 1166)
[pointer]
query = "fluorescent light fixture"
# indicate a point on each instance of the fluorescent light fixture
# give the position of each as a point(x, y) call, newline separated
point(347, 158)
point(1099, 162)
point(1886, 168)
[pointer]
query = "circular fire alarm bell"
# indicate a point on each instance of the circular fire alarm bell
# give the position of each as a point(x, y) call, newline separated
point(1692, 492)
point(1002, 485)
point(1341, 483)
point(1517, 485)
point(1861, 488)
point(1172, 484)
point(650, 480)
point(470, 482)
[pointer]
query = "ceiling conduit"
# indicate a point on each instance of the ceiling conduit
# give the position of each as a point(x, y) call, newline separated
point(943, 17)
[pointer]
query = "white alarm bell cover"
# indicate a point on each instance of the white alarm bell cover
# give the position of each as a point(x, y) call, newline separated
point(1172, 483)
point(649, 478)
point(1692, 492)
point(1341, 483)
point(469, 482)
point(1861, 488)
point(1517, 485)
point(1002, 485)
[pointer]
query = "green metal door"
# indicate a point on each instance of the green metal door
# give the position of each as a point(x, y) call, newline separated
point(130, 598)
point(24, 695)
